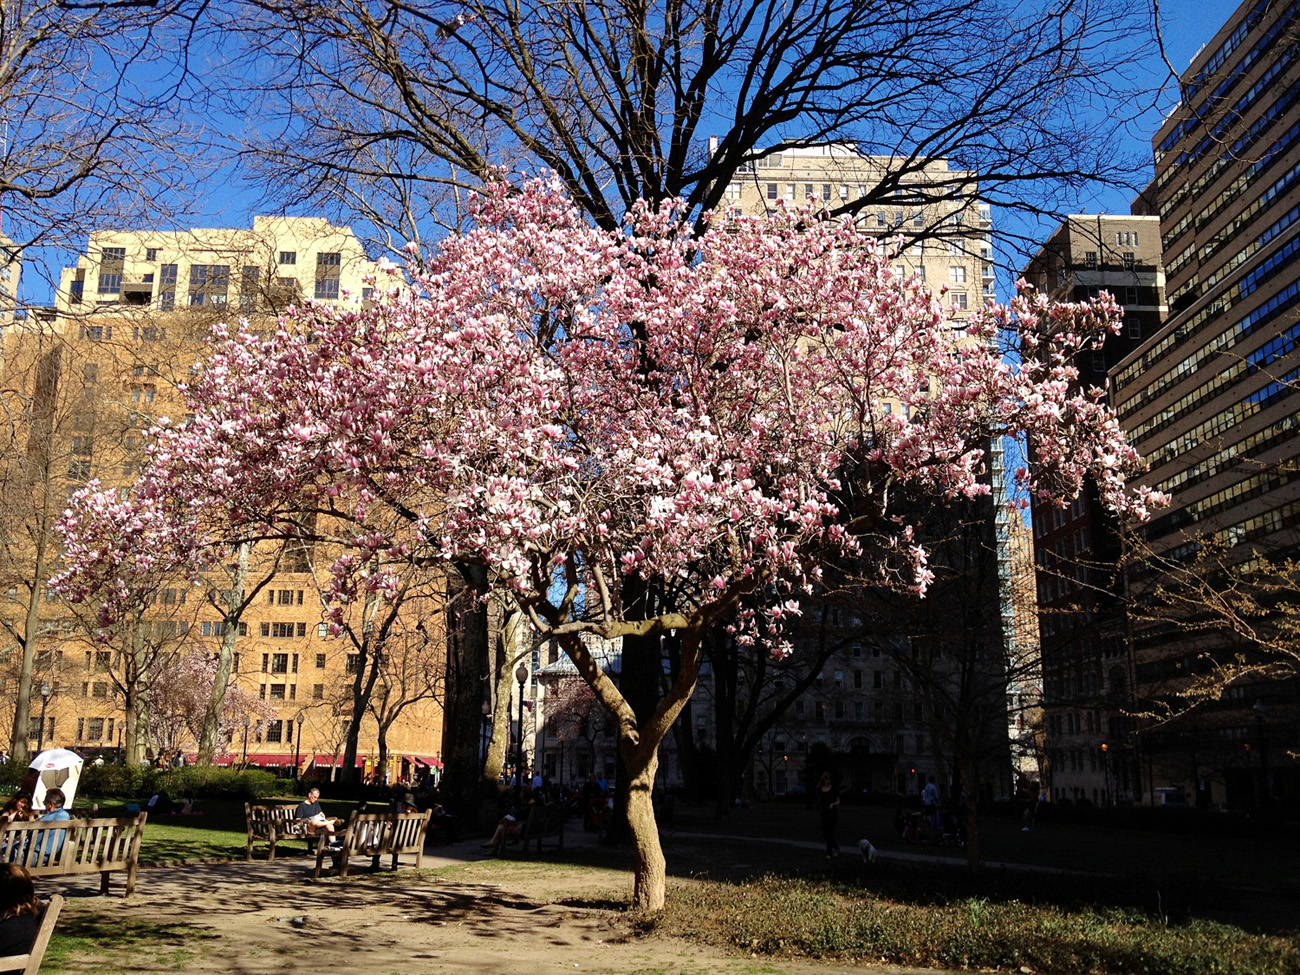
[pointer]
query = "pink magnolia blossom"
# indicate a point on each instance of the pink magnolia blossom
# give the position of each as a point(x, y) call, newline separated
point(693, 409)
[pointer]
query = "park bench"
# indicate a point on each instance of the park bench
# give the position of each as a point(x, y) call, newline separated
point(30, 963)
point(374, 835)
point(62, 848)
point(542, 823)
point(271, 824)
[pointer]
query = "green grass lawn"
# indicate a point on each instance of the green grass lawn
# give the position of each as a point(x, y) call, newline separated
point(216, 832)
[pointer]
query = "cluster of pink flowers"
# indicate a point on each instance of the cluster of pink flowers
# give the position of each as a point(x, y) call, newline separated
point(694, 409)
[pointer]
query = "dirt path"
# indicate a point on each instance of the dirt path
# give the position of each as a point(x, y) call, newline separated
point(470, 917)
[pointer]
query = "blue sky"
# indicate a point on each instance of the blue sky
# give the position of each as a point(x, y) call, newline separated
point(1187, 26)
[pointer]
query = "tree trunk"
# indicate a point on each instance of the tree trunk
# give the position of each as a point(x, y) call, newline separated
point(136, 684)
point(650, 868)
point(971, 784)
point(225, 659)
point(467, 668)
point(642, 670)
point(502, 674)
point(19, 745)
point(382, 740)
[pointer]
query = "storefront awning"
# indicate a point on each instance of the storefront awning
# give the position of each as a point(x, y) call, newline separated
point(335, 761)
point(428, 760)
point(271, 761)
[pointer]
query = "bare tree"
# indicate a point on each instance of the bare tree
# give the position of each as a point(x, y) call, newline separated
point(392, 111)
point(574, 713)
point(90, 113)
point(62, 416)
point(410, 669)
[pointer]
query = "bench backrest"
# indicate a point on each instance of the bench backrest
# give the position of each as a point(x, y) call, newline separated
point(376, 834)
point(545, 820)
point(263, 819)
point(30, 963)
point(73, 845)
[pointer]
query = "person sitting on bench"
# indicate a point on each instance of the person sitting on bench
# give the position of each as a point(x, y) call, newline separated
point(20, 910)
point(310, 812)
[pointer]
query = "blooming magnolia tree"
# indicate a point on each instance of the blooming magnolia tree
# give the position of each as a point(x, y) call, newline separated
point(179, 693)
point(121, 552)
point(709, 414)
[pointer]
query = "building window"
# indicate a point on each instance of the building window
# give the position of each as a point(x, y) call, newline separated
point(958, 301)
point(274, 729)
point(318, 692)
point(209, 284)
point(279, 662)
point(277, 692)
point(327, 289)
point(288, 257)
point(111, 260)
point(1129, 260)
point(880, 218)
point(329, 259)
point(772, 192)
point(151, 253)
point(354, 663)
point(957, 274)
point(1090, 260)
point(249, 282)
point(320, 661)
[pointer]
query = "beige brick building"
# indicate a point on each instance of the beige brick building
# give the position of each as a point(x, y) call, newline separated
point(86, 380)
point(942, 227)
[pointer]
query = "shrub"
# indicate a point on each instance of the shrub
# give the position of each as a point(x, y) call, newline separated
point(194, 781)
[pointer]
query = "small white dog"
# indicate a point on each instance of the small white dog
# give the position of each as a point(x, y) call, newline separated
point(868, 851)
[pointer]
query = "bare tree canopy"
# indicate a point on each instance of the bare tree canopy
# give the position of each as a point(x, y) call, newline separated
point(90, 111)
point(388, 109)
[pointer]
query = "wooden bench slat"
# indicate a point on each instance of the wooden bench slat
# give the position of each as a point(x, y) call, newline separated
point(375, 835)
point(75, 846)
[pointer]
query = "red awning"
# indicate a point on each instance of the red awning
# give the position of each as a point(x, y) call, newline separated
point(271, 761)
point(428, 760)
point(335, 761)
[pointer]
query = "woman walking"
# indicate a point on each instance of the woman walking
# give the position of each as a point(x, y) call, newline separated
point(828, 807)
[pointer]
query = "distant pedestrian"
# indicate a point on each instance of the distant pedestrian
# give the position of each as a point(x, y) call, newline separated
point(828, 809)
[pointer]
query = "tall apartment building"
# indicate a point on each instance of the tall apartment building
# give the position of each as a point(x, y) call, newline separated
point(1087, 675)
point(89, 378)
point(1210, 399)
point(864, 710)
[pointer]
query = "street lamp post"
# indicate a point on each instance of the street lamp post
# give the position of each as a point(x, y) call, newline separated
point(1105, 773)
point(521, 675)
point(297, 748)
point(1259, 710)
point(247, 721)
point(46, 691)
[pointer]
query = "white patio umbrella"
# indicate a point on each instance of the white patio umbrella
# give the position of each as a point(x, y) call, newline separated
point(60, 768)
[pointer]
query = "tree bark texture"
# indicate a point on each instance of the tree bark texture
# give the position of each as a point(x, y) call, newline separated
point(467, 669)
point(650, 880)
